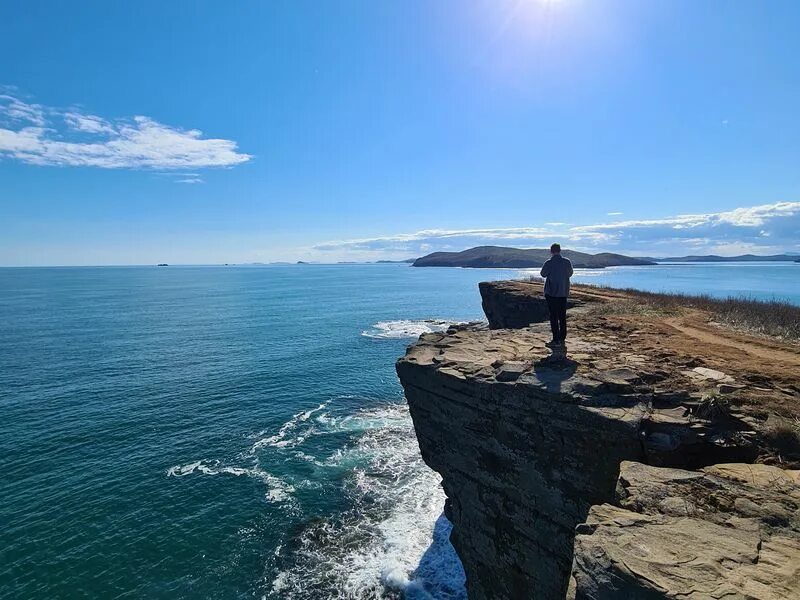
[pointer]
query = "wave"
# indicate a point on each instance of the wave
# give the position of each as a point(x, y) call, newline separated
point(278, 490)
point(285, 438)
point(407, 328)
point(394, 539)
point(390, 541)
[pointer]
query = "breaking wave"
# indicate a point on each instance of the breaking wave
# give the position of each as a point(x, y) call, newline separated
point(277, 489)
point(390, 540)
point(394, 540)
point(406, 328)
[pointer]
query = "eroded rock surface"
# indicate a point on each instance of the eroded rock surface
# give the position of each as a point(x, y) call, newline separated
point(515, 304)
point(728, 531)
point(526, 444)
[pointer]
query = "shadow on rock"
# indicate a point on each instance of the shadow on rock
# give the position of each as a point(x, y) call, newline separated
point(555, 369)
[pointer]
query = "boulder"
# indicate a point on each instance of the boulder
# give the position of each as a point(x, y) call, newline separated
point(515, 304)
point(728, 531)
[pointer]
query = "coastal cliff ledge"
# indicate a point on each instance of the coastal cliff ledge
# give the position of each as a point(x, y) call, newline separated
point(530, 446)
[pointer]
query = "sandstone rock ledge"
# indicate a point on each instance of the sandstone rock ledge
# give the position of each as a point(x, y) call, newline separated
point(729, 531)
point(529, 448)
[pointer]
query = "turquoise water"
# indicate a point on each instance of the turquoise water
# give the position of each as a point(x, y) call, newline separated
point(215, 432)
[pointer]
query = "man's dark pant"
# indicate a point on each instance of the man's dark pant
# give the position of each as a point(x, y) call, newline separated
point(558, 317)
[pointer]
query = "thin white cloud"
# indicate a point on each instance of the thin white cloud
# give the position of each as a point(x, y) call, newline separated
point(39, 135)
point(767, 228)
point(88, 123)
point(753, 216)
point(614, 214)
point(20, 111)
point(520, 233)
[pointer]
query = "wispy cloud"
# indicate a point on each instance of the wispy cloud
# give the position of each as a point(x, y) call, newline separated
point(758, 229)
point(88, 123)
point(20, 111)
point(753, 216)
point(39, 135)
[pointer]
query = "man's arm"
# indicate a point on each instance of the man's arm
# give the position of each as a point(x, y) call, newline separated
point(571, 271)
point(545, 272)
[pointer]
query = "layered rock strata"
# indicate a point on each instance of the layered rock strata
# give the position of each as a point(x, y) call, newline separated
point(514, 304)
point(727, 531)
point(527, 445)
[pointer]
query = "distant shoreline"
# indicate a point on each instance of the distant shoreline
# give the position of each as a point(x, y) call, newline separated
point(654, 262)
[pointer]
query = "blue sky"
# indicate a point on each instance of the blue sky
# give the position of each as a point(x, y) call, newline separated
point(208, 132)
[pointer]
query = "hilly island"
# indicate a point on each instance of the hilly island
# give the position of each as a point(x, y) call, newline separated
point(516, 258)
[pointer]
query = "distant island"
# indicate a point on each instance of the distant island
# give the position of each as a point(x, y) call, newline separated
point(740, 258)
point(494, 257)
point(162, 265)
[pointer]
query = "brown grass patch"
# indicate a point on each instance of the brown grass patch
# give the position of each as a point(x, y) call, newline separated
point(763, 317)
point(782, 434)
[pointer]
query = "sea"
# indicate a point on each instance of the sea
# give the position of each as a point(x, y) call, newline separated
point(239, 431)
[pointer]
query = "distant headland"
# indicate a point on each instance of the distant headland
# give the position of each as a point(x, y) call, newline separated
point(498, 257)
point(493, 257)
point(739, 258)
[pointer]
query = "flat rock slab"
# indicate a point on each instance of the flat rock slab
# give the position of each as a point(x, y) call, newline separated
point(729, 531)
point(763, 476)
point(706, 374)
point(511, 371)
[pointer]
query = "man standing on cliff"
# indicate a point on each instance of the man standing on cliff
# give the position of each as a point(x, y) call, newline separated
point(557, 270)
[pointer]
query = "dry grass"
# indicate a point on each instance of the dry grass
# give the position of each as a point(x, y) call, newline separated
point(635, 307)
point(763, 317)
point(783, 435)
point(713, 407)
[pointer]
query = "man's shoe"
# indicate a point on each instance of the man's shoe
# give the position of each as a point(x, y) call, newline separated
point(553, 343)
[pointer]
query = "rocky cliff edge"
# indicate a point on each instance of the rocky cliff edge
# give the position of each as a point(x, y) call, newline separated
point(530, 447)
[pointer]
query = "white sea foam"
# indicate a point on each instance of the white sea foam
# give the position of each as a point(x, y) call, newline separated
point(395, 538)
point(393, 541)
point(406, 328)
point(288, 435)
point(277, 489)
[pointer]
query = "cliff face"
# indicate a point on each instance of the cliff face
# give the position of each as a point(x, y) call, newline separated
point(521, 465)
point(515, 304)
point(526, 445)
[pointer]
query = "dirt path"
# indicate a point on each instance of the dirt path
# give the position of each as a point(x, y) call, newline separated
point(690, 332)
point(717, 336)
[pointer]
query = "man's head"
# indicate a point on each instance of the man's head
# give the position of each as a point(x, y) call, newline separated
point(555, 249)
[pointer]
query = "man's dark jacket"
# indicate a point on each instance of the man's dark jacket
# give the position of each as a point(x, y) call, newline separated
point(557, 270)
